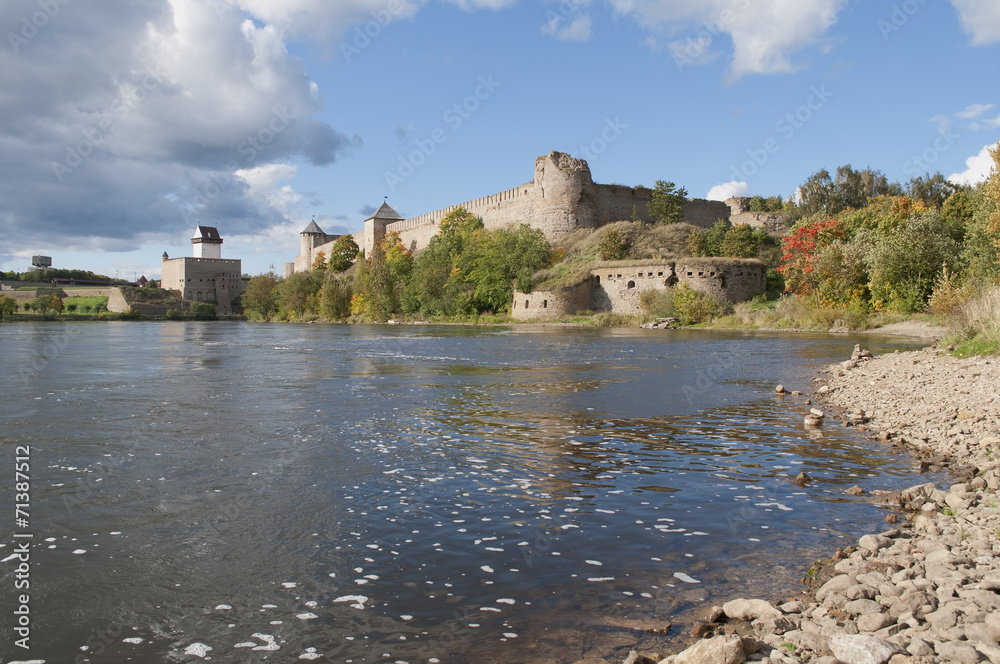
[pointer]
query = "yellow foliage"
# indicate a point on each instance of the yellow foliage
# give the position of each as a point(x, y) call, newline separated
point(359, 306)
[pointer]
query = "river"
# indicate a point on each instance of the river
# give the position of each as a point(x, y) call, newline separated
point(273, 493)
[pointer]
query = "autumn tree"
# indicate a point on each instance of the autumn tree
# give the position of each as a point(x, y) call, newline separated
point(319, 263)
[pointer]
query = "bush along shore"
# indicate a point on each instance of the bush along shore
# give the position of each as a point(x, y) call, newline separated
point(924, 592)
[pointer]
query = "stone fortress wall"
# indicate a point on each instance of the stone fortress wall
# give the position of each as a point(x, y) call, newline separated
point(561, 199)
point(617, 287)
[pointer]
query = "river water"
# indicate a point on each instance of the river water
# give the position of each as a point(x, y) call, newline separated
point(237, 492)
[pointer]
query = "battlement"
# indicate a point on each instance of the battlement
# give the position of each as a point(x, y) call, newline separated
point(561, 199)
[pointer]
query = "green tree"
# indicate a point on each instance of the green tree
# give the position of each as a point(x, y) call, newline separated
point(335, 298)
point(438, 285)
point(379, 288)
point(667, 203)
point(769, 204)
point(299, 294)
point(849, 189)
point(740, 242)
point(197, 311)
point(494, 259)
point(343, 254)
point(931, 190)
point(903, 265)
point(8, 306)
point(261, 298)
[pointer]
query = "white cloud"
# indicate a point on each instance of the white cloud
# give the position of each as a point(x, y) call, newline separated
point(321, 18)
point(974, 111)
point(471, 5)
point(765, 34)
point(980, 19)
point(721, 192)
point(578, 30)
point(141, 137)
point(978, 168)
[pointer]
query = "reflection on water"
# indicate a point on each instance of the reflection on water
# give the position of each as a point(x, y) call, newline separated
point(272, 493)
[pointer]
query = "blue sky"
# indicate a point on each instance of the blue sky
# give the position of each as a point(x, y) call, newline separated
point(126, 123)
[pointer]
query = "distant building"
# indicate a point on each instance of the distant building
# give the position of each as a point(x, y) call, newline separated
point(41, 262)
point(206, 277)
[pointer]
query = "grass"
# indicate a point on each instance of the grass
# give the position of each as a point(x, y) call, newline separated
point(648, 242)
point(85, 305)
point(977, 324)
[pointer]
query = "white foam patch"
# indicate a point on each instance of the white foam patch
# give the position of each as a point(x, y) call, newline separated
point(505, 600)
point(354, 599)
point(269, 645)
point(288, 584)
point(681, 576)
point(223, 607)
point(594, 562)
point(197, 650)
point(79, 552)
point(133, 639)
point(597, 579)
point(308, 615)
point(487, 569)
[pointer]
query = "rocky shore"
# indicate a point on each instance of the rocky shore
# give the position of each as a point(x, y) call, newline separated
point(923, 592)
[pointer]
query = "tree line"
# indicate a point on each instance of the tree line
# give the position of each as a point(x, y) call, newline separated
point(466, 270)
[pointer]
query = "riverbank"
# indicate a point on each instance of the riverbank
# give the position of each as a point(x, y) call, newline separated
point(925, 591)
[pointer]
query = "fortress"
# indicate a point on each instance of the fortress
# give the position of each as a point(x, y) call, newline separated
point(563, 198)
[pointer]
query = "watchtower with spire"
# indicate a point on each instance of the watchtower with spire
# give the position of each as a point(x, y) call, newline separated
point(375, 225)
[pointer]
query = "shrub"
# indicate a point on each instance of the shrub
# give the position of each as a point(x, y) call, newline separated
point(658, 303)
point(173, 314)
point(694, 307)
point(130, 314)
point(613, 246)
point(201, 311)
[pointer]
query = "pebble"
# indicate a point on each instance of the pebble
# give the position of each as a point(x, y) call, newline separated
point(925, 592)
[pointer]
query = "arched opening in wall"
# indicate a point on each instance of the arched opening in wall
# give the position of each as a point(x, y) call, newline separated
point(597, 279)
point(197, 296)
point(631, 285)
point(526, 304)
point(545, 304)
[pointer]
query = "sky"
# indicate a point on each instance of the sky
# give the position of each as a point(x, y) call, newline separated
point(126, 123)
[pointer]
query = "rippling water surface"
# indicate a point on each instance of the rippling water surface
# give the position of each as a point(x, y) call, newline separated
point(271, 493)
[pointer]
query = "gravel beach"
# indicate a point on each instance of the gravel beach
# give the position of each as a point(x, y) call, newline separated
point(928, 589)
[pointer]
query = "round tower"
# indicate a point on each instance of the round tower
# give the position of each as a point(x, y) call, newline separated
point(565, 196)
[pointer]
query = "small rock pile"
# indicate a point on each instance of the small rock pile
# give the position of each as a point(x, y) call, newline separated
point(926, 592)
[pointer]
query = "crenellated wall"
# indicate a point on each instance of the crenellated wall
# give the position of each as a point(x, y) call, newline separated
point(561, 199)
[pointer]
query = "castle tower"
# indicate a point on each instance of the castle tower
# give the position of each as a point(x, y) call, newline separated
point(207, 242)
point(375, 226)
point(311, 237)
point(565, 198)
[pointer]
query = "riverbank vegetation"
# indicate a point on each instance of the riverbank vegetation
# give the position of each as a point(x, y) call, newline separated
point(466, 273)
